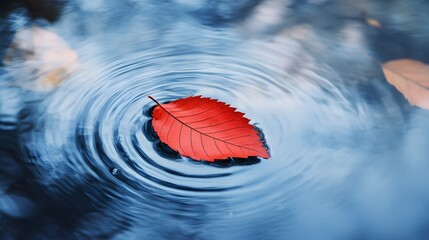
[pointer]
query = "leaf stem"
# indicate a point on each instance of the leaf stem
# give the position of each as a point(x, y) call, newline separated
point(153, 99)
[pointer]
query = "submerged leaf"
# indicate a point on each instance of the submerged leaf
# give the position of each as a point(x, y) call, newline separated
point(39, 59)
point(206, 129)
point(411, 78)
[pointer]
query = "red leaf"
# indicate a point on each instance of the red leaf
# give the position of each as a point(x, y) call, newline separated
point(206, 129)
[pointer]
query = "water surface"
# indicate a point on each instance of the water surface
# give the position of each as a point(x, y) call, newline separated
point(348, 153)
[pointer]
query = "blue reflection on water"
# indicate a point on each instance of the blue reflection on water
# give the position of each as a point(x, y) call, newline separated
point(349, 155)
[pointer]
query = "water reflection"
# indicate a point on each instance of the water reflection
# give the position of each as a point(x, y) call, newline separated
point(349, 155)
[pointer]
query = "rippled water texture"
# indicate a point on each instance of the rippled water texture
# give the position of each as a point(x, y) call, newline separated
point(349, 156)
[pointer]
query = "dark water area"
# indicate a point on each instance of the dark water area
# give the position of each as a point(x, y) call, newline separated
point(349, 155)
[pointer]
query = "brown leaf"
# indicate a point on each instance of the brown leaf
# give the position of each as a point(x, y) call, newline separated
point(411, 78)
point(374, 23)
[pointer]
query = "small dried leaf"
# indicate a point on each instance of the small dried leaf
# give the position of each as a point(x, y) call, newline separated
point(374, 23)
point(206, 129)
point(411, 78)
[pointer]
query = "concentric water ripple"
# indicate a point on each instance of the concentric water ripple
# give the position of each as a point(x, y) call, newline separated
point(100, 119)
point(108, 111)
